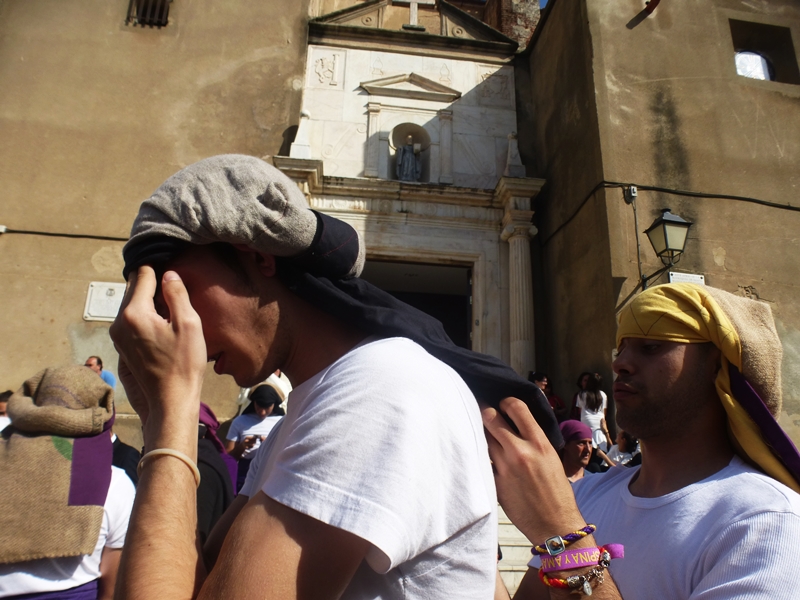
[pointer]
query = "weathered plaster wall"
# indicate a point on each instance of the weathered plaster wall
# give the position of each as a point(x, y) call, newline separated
point(559, 142)
point(94, 115)
point(674, 113)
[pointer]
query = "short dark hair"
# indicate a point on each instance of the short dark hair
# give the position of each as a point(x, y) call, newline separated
point(630, 440)
point(581, 376)
point(98, 359)
point(6, 395)
point(265, 396)
point(229, 256)
point(536, 376)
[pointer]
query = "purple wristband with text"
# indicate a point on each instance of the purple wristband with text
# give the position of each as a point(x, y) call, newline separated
point(579, 558)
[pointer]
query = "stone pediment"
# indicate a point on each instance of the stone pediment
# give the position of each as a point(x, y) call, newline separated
point(411, 85)
point(434, 17)
point(369, 14)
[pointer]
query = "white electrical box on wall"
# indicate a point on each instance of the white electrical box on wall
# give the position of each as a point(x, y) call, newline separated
point(103, 301)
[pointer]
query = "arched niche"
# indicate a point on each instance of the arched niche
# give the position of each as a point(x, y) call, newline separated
point(420, 136)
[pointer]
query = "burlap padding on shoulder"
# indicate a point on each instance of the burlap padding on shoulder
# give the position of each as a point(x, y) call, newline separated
point(35, 519)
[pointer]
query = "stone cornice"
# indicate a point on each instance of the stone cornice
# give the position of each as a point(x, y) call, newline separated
point(395, 201)
point(383, 40)
point(516, 192)
point(309, 174)
point(306, 172)
point(399, 190)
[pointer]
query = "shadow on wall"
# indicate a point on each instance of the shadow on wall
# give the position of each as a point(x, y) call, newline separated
point(288, 137)
point(669, 149)
point(463, 142)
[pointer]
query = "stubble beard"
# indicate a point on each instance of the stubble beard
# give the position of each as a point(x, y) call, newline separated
point(667, 411)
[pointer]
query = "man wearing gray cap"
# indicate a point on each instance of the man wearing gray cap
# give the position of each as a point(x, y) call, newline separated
point(372, 486)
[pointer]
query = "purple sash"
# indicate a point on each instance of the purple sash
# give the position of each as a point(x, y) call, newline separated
point(91, 468)
point(87, 591)
point(780, 443)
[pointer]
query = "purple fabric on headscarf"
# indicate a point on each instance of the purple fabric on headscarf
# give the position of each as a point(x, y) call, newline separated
point(575, 430)
point(209, 419)
point(90, 476)
point(773, 434)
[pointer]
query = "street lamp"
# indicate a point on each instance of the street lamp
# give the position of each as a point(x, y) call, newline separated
point(667, 235)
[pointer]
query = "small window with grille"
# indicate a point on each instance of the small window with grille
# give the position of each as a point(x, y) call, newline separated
point(148, 13)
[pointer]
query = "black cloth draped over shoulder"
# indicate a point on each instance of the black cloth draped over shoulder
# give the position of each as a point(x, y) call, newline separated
point(361, 304)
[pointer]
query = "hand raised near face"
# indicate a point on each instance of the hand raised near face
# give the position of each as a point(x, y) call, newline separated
point(164, 357)
point(530, 480)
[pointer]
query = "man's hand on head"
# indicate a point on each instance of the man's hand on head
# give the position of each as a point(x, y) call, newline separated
point(531, 485)
point(164, 358)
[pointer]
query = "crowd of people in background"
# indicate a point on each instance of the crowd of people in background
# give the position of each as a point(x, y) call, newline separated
point(585, 422)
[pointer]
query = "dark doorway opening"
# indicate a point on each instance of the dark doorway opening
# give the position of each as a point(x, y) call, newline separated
point(442, 291)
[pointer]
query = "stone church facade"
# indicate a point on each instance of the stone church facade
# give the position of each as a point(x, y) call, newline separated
point(375, 76)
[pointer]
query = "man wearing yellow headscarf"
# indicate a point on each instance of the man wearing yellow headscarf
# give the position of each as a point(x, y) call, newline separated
point(713, 512)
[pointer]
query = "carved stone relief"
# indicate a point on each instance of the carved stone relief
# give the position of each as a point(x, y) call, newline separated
point(495, 86)
point(326, 69)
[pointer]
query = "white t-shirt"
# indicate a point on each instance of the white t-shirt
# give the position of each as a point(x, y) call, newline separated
point(4, 422)
point(387, 443)
point(618, 456)
point(55, 574)
point(735, 534)
point(592, 418)
point(251, 424)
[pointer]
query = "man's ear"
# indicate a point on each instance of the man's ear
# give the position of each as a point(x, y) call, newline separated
point(265, 262)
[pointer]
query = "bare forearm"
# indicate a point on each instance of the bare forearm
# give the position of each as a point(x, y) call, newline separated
point(237, 450)
point(161, 558)
point(500, 591)
point(610, 462)
point(109, 567)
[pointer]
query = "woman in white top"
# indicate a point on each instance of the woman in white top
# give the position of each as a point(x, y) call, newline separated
point(621, 453)
point(251, 428)
point(593, 404)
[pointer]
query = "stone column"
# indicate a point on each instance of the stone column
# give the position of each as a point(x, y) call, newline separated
point(445, 146)
point(301, 146)
point(514, 195)
point(373, 141)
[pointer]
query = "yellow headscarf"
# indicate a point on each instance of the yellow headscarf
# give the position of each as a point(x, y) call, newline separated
point(744, 333)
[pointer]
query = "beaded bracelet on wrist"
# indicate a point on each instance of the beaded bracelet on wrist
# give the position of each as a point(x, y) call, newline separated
point(557, 544)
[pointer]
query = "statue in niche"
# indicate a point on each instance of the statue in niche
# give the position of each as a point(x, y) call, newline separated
point(409, 163)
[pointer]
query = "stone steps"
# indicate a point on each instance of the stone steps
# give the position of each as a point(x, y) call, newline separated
point(516, 552)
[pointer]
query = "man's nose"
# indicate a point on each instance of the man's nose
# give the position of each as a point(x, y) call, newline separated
point(622, 363)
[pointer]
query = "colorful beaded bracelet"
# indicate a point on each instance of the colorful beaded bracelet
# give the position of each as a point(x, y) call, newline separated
point(582, 583)
point(557, 544)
